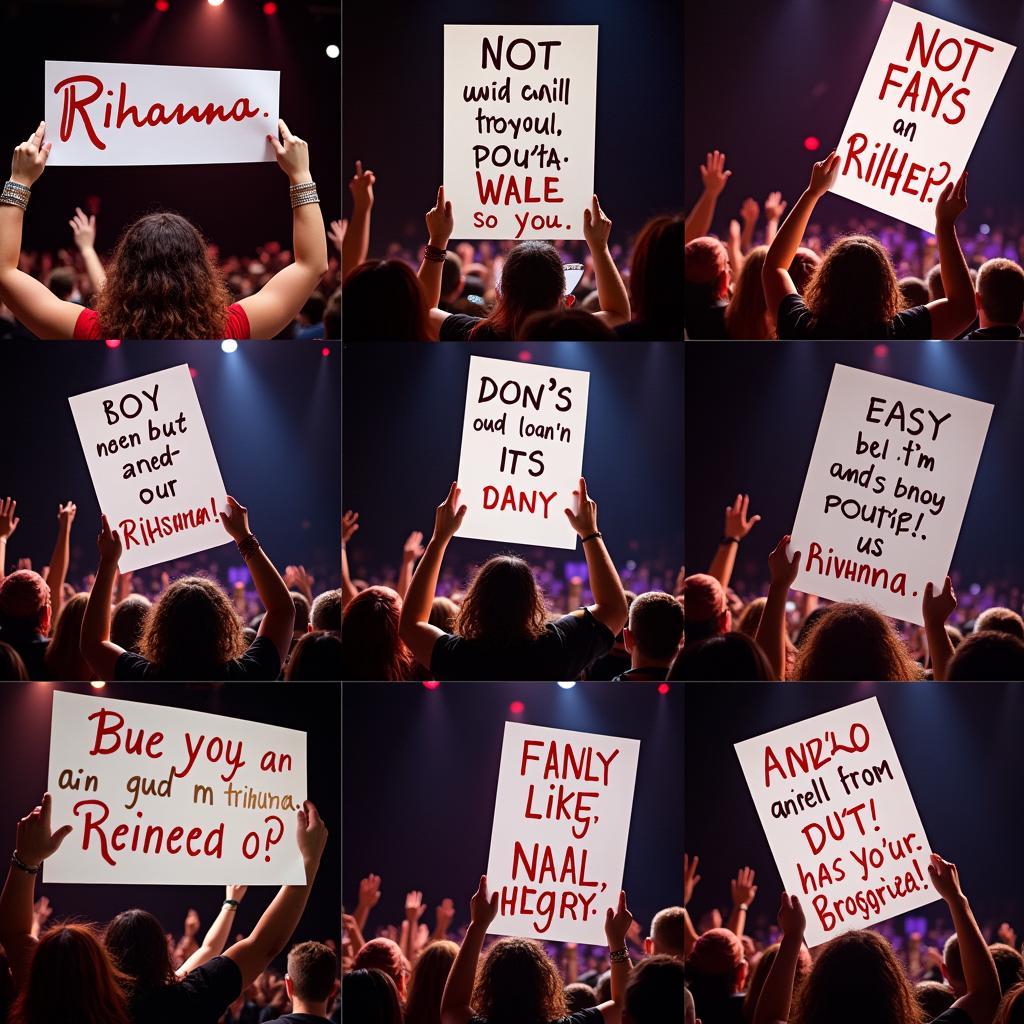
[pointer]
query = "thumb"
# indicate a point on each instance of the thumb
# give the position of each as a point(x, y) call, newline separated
point(278, 148)
point(587, 218)
point(60, 835)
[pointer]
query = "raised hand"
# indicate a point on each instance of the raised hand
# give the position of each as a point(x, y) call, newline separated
point(791, 916)
point(596, 225)
point(937, 608)
point(369, 891)
point(449, 515)
point(952, 201)
point(235, 519)
point(8, 520)
point(83, 227)
point(414, 906)
point(108, 542)
point(235, 892)
point(690, 877)
point(774, 206)
point(735, 233)
point(617, 922)
point(444, 915)
point(66, 515)
point(440, 221)
point(413, 546)
point(191, 922)
point(30, 157)
point(41, 911)
point(713, 173)
point(584, 520)
point(823, 174)
point(36, 841)
point(310, 834)
point(743, 888)
point(750, 211)
point(945, 878)
point(737, 524)
point(292, 154)
point(337, 233)
point(483, 908)
point(783, 569)
point(361, 185)
point(349, 525)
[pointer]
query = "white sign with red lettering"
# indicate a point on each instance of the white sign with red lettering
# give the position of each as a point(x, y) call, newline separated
point(520, 110)
point(156, 795)
point(153, 466)
point(561, 825)
point(840, 819)
point(115, 114)
point(925, 95)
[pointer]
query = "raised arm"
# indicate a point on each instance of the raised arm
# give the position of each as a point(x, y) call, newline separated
point(414, 626)
point(715, 177)
point(84, 229)
point(349, 525)
point(97, 648)
point(774, 207)
point(216, 938)
point(743, 893)
point(771, 630)
point(369, 897)
point(411, 550)
point(776, 997)
point(611, 292)
point(690, 880)
point(355, 246)
point(936, 609)
point(29, 300)
point(415, 908)
point(60, 558)
point(616, 925)
point(950, 315)
point(443, 916)
point(610, 605)
point(8, 524)
point(737, 526)
point(279, 620)
point(440, 224)
point(456, 1003)
point(273, 930)
point(749, 212)
point(775, 273)
point(278, 302)
point(980, 974)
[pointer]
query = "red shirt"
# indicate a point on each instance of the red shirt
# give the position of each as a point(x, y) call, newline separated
point(87, 326)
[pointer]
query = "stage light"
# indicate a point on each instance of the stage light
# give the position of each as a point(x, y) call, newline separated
point(325, 351)
point(811, 143)
point(663, 688)
point(113, 342)
point(229, 345)
point(566, 684)
point(163, 5)
point(270, 7)
point(881, 351)
point(215, 3)
point(524, 355)
point(193, 372)
point(431, 684)
point(333, 51)
point(984, 229)
point(517, 707)
point(97, 684)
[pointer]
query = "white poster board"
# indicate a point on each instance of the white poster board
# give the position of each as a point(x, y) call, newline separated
point(925, 95)
point(520, 109)
point(561, 823)
point(522, 451)
point(156, 795)
point(840, 819)
point(115, 114)
point(886, 490)
point(153, 466)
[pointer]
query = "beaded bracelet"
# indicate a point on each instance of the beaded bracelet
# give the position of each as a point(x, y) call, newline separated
point(248, 546)
point(15, 194)
point(22, 866)
point(618, 955)
point(302, 193)
point(434, 254)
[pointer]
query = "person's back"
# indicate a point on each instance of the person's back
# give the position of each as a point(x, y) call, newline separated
point(311, 983)
point(987, 656)
point(652, 636)
point(733, 657)
point(716, 972)
point(25, 618)
point(654, 992)
point(706, 288)
point(1000, 299)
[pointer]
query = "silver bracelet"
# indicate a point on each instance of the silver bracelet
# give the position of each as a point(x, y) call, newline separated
point(303, 193)
point(15, 194)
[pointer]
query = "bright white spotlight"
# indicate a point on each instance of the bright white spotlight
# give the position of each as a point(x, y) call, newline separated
point(215, 3)
point(97, 684)
point(567, 684)
point(333, 51)
point(229, 345)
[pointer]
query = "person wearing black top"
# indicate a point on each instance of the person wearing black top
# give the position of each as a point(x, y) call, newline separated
point(1000, 300)
point(501, 631)
point(312, 983)
point(854, 292)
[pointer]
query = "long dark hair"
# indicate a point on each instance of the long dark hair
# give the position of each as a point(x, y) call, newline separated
point(381, 300)
point(503, 604)
point(532, 280)
point(162, 284)
point(656, 275)
point(136, 942)
point(517, 984)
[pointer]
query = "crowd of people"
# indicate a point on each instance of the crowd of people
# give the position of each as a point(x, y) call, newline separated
point(410, 973)
point(510, 290)
point(170, 622)
point(162, 279)
point(867, 279)
point(133, 971)
point(753, 968)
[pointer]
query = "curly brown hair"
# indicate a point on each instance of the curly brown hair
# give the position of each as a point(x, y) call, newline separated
point(192, 630)
point(857, 977)
point(854, 289)
point(503, 605)
point(517, 984)
point(162, 284)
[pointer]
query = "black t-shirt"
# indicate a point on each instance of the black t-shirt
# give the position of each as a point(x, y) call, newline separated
point(642, 675)
point(706, 322)
point(260, 661)
point(199, 998)
point(458, 326)
point(795, 321)
point(565, 648)
point(640, 330)
point(999, 332)
point(32, 649)
point(954, 1015)
point(591, 1015)
point(298, 1018)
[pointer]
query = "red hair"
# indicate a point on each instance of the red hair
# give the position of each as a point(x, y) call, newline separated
point(370, 645)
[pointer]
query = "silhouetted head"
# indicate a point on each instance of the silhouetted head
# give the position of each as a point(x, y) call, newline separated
point(532, 280)
point(137, 944)
point(162, 284)
point(427, 981)
point(503, 605)
point(370, 997)
point(656, 275)
point(12, 667)
point(654, 992)
point(381, 300)
point(727, 656)
point(746, 317)
point(326, 611)
point(987, 656)
point(707, 275)
point(385, 955)
point(565, 325)
point(372, 648)
point(192, 628)
point(654, 629)
point(128, 620)
point(518, 984)
point(64, 652)
point(317, 656)
point(1000, 291)
point(24, 603)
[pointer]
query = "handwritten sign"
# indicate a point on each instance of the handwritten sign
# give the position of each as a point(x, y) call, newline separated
point(153, 466)
point(925, 95)
point(520, 107)
point(840, 819)
point(111, 114)
point(886, 490)
point(561, 822)
point(156, 795)
point(522, 451)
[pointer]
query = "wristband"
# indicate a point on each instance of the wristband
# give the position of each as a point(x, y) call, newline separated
point(618, 955)
point(15, 194)
point(22, 866)
point(434, 254)
point(247, 546)
point(303, 193)
point(591, 536)
point(233, 904)
point(728, 540)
